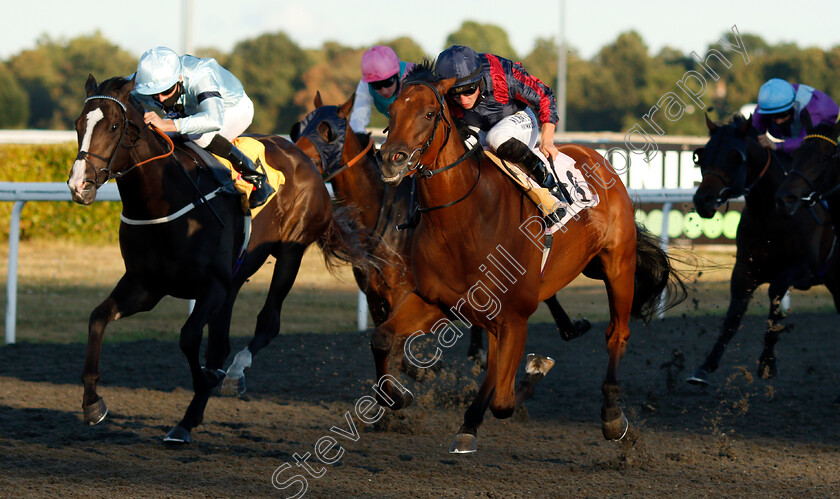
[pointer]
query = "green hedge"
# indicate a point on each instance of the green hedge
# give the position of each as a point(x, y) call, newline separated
point(50, 220)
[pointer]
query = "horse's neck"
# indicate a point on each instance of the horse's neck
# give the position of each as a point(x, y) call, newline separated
point(146, 190)
point(361, 185)
point(452, 185)
point(762, 197)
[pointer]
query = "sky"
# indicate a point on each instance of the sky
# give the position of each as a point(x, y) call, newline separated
point(588, 24)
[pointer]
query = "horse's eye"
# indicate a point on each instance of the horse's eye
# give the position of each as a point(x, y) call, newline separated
point(430, 115)
point(115, 127)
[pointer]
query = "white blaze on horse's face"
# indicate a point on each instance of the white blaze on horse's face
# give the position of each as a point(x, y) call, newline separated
point(77, 175)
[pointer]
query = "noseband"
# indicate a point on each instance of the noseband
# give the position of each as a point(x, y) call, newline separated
point(84, 155)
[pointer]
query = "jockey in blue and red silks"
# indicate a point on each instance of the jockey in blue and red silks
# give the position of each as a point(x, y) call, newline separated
point(510, 108)
point(779, 111)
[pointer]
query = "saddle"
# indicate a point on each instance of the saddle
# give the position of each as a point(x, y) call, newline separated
point(230, 179)
point(574, 186)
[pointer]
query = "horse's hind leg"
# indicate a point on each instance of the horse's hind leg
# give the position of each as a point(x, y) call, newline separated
point(268, 321)
point(741, 288)
point(127, 298)
point(619, 267)
point(567, 328)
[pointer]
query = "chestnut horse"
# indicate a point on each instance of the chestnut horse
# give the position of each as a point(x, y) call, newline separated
point(348, 161)
point(785, 251)
point(477, 257)
point(198, 251)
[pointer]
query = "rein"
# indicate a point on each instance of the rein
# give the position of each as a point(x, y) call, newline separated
point(350, 163)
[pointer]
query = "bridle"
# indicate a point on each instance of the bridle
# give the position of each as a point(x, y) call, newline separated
point(330, 152)
point(723, 195)
point(109, 174)
point(424, 171)
point(814, 196)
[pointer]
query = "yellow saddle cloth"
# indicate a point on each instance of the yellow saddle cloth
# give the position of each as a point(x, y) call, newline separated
point(255, 150)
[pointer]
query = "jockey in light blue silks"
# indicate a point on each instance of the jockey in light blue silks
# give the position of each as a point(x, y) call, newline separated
point(202, 100)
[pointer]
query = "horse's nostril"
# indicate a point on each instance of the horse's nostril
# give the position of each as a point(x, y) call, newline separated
point(398, 157)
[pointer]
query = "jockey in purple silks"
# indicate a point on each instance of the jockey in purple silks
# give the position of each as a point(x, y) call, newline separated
point(780, 107)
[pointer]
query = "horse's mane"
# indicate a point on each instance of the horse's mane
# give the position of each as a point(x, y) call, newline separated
point(422, 71)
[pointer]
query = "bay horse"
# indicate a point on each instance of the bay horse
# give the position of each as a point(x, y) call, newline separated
point(786, 251)
point(197, 252)
point(348, 161)
point(475, 217)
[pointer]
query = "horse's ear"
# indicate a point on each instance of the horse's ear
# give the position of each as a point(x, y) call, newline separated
point(835, 131)
point(709, 123)
point(294, 133)
point(127, 88)
point(90, 85)
point(807, 123)
point(318, 101)
point(344, 110)
point(745, 125)
point(443, 86)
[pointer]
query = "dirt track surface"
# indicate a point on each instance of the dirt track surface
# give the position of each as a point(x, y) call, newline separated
point(743, 436)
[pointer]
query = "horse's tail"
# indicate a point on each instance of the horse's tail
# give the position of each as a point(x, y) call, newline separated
point(654, 274)
point(343, 242)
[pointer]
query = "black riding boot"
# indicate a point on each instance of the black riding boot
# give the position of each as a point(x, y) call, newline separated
point(518, 152)
point(220, 146)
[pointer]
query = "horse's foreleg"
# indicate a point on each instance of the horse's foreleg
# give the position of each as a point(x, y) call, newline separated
point(126, 299)
point(268, 321)
point(411, 316)
point(204, 380)
point(741, 288)
point(466, 440)
point(476, 349)
point(767, 361)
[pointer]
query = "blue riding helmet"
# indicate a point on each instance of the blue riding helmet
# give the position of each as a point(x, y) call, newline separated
point(775, 96)
point(459, 62)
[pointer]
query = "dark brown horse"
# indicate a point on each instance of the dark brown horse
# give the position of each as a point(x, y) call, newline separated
point(786, 251)
point(478, 249)
point(181, 236)
point(348, 161)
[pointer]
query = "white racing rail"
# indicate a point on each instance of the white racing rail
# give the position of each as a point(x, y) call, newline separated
point(21, 192)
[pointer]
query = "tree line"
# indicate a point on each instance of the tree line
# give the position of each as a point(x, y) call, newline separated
point(43, 87)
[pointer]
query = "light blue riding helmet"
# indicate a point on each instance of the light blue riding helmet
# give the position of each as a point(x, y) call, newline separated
point(775, 96)
point(158, 70)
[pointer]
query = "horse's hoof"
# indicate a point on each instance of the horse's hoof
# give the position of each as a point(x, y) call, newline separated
point(700, 377)
point(401, 400)
point(95, 412)
point(537, 364)
point(615, 429)
point(464, 443)
point(178, 435)
point(233, 387)
point(767, 368)
point(579, 328)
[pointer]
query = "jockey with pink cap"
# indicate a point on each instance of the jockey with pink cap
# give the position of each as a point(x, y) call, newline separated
point(382, 74)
